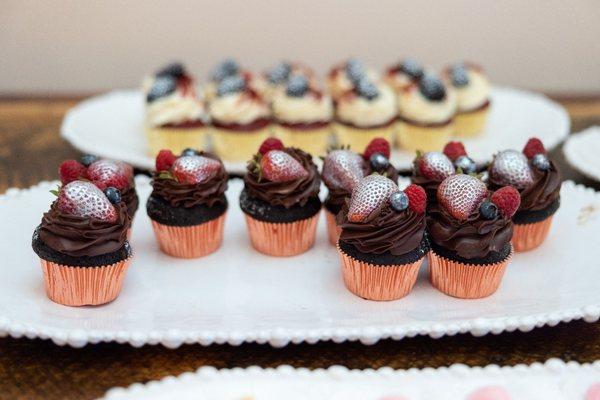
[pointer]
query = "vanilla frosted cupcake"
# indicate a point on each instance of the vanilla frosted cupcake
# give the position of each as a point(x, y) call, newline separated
point(472, 89)
point(364, 113)
point(344, 77)
point(240, 118)
point(276, 79)
point(303, 116)
point(401, 75)
point(426, 112)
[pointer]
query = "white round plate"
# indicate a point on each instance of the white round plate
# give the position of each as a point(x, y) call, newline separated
point(111, 126)
point(238, 295)
point(582, 151)
point(553, 379)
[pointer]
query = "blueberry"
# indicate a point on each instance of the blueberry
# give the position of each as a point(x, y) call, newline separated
point(163, 86)
point(231, 84)
point(466, 164)
point(459, 75)
point(175, 70)
point(189, 152)
point(88, 159)
point(399, 201)
point(227, 67)
point(366, 89)
point(113, 194)
point(379, 162)
point(280, 73)
point(541, 162)
point(354, 70)
point(297, 86)
point(412, 68)
point(488, 210)
point(432, 88)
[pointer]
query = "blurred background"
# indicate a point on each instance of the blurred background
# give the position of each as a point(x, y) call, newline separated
point(77, 47)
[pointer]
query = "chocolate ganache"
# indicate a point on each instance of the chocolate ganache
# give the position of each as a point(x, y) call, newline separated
point(544, 191)
point(130, 197)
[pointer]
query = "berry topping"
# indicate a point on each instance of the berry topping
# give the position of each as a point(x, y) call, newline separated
point(163, 86)
point(280, 73)
point(459, 76)
point(84, 199)
point(297, 86)
point(417, 198)
point(343, 169)
point(466, 164)
point(71, 170)
point(113, 195)
point(270, 144)
point(399, 201)
point(105, 173)
point(371, 193)
point(434, 165)
point(488, 210)
point(379, 162)
point(432, 88)
point(231, 84)
point(454, 150)
point(541, 162)
point(377, 145)
point(228, 67)
point(88, 159)
point(412, 68)
point(534, 146)
point(461, 194)
point(510, 168)
point(279, 166)
point(366, 89)
point(194, 169)
point(165, 160)
point(507, 199)
point(176, 70)
point(354, 70)
point(189, 152)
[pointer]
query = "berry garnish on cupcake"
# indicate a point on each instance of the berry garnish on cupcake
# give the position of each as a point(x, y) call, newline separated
point(429, 170)
point(280, 199)
point(345, 76)
point(382, 243)
point(401, 75)
point(187, 205)
point(377, 155)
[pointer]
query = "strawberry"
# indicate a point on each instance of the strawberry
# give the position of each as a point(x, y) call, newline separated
point(164, 160)
point(377, 145)
point(417, 198)
point(434, 165)
point(461, 194)
point(510, 168)
point(279, 166)
point(534, 146)
point(194, 169)
point(507, 199)
point(106, 173)
point(343, 169)
point(270, 144)
point(369, 196)
point(84, 199)
point(71, 170)
point(453, 150)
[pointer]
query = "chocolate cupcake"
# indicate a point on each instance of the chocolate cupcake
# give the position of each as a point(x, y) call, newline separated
point(382, 243)
point(187, 205)
point(280, 199)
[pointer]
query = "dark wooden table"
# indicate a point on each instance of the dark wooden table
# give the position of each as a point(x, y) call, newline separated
point(31, 150)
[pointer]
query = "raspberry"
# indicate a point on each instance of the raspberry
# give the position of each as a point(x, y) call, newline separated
point(534, 146)
point(71, 170)
point(507, 199)
point(377, 145)
point(164, 160)
point(453, 150)
point(270, 144)
point(417, 198)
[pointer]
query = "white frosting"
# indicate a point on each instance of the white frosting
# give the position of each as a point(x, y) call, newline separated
point(238, 108)
point(359, 111)
point(475, 94)
point(174, 109)
point(307, 109)
point(339, 83)
point(414, 106)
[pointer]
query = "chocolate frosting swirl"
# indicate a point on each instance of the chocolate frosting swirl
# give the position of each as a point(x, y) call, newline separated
point(544, 191)
point(474, 238)
point(130, 197)
point(187, 195)
point(81, 236)
point(387, 231)
point(286, 194)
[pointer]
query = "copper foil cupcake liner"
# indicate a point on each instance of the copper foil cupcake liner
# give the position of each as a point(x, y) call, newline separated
point(466, 281)
point(282, 239)
point(333, 229)
point(529, 236)
point(379, 282)
point(190, 241)
point(83, 286)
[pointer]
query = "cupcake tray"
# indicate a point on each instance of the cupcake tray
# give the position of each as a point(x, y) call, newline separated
point(111, 125)
point(553, 379)
point(581, 151)
point(237, 295)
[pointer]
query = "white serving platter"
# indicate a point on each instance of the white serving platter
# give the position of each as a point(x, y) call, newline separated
point(582, 151)
point(111, 125)
point(237, 295)
point(553, 379)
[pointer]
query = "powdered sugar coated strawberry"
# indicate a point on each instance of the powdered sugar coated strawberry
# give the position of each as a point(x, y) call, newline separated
point(343, 169)
point(195, 169)
point(105, 173)
point(434, 165)
point(507, 199)
point(511, 168)
point(279, 166)
point(84, 199)
point(461, 194)
point(371, 193)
